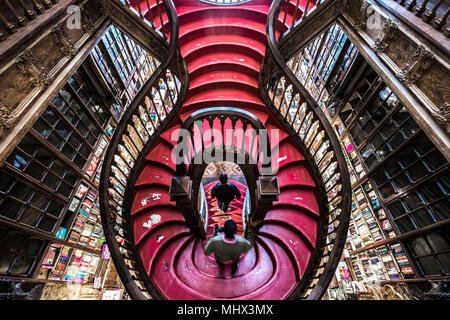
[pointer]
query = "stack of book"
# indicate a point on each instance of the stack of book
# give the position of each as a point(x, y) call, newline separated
point(402, 261)
point(61, 265)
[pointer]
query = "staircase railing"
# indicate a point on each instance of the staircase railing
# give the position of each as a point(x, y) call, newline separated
point(203, 207)
point(297, 12)
point(155, 105)
point(302, 118)
point(246, 209)
point(200, 125)
point(16, 14)
point(152, 12)
point(432, 12)
point(196, 138)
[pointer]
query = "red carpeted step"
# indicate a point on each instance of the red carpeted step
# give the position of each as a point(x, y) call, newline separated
point(219, 285)
point(295, 175)
point(162, 153)
point(292, 218)
point(305, 199)
point(163, 274)
point(151, 219)
point(247, 262)
point(284, 275)
point(171, 135)
point(299, 249)
point(153, 242)
point(155, 173)
point(148, 196)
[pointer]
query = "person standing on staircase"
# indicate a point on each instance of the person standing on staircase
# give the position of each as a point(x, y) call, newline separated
point(225, 192)
point(227, 247)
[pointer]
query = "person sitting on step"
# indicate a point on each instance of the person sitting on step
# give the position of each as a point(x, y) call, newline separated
point(227, 247)
point(225, 192)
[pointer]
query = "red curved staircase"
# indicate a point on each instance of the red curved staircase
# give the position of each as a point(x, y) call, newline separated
point(223, 47)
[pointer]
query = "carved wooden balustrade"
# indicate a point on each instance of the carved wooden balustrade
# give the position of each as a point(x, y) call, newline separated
point(300, 115)
point(433, 12)
point(151, 12)
point(225, 134)
point(156, 104)
point(292, 14)
point(15, 14)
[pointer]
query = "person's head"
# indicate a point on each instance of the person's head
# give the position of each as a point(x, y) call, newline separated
point(229, 228)
point(223, 178)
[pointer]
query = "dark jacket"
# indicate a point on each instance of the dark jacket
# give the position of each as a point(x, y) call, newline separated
point(225, 192)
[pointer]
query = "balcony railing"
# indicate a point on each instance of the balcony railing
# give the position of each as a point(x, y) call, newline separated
point(433, 12)
point(152, 12)
point(15, 14)
point(223, 134)
point(300, 115)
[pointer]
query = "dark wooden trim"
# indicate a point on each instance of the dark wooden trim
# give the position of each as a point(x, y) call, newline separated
point(34, 280)
point(421, 29)
point(39, 234)
point(413, 280)
point(68, 123)
point(61, 157)
point(85, 108)
point(35, 184)
point(317, 21)
point(404, 236)
point(98, 82)
point(137, 29)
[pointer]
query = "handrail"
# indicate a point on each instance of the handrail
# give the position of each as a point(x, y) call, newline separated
point(246, 209)
point(154, 107)
point(307, 125)
point(144, 12)
point(193, 142)
point(432, 12)
point(16, 14)
point(298, 13)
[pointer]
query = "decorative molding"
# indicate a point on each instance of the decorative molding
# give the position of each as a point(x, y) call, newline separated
point(389, 35)
point(442, 115)
point(422, 61)
point(6, 120)
point(342, 8)
point(59, 36)
point(45, 79)
point(26, 59)
point(361, 20)
point(87, 23)
point(37, 67)
point(107, 8)
point(26, 62)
